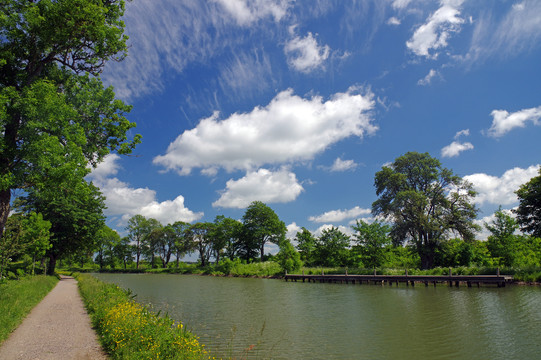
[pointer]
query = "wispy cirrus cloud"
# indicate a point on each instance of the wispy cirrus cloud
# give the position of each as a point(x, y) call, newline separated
point(503, 121)
point(246, 12)
point(288, 129)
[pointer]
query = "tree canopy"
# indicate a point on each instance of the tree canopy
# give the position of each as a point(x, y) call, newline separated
point(55, 114)
point(529, 209)
point(262, 225)
point(425, 202)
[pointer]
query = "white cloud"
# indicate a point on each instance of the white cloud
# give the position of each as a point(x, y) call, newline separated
point(288, 129)
point(344, 229)
point(270, 187)
point(246, 12)
point(503, 121)
point(106, 168)
point(340, 215)
point(393, 21)
point(292, 230)
point(304, 54)
point(125, 201)
point(400, 4)
point(428, 78)
point(465, 132)
point(243, 71)
point(501, 190)
point(434, 33)
point(455, 148)
point(518, 31)
point(343, 165)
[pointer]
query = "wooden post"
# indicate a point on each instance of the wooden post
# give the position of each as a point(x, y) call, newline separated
point(498, 272)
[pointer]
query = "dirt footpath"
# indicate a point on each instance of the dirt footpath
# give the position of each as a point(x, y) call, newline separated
point(57, 328)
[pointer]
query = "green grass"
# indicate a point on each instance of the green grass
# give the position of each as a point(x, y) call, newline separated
point(129, 330)
point(18, 297)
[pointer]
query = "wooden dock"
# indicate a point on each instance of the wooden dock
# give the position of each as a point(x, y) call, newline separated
point(456, 280)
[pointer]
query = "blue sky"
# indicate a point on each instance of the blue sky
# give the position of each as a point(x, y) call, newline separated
point(299, 104)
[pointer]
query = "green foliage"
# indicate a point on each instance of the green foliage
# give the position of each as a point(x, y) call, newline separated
point(332, 248)
point(529, 208)
point(373, 241)
point(306, 244)
point(129, 330)
point(288, 258)
point(18, 297)
point(200, 235)
point(56, 117)
point(261, 224)
point(427, 203)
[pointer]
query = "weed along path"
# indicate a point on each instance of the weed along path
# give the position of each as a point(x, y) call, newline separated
point(57, 328)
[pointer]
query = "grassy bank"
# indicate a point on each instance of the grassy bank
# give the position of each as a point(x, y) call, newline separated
point(128, 330)
point(18, 297)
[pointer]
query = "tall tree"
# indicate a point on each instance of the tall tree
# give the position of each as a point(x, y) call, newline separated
point(106, 241)
point(503, 243)
point(226, 234)
point(262, 225)
point(306, 244)
point(200, 236)
point(182, 244)
point(332, 248)
point(139, 229)
point(75, 210)
point(373, 239)
point(426, 203)
point(55, 114)
point(529, 208)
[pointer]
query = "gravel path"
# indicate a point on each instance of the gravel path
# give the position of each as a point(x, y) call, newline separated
point(57, 328)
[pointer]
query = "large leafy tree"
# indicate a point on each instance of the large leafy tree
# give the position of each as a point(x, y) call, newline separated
point(425, 202)
point(200, 235)
point(372, 240)
point(306, 244)
point(55, 114)
point(262, 225)
point(226, 234)
point(75, 211)
point(332, 248)
point(529, 208)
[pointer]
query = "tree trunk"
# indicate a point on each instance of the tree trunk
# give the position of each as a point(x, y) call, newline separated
point(262, 250)
point(52, 264)
point(5, 199)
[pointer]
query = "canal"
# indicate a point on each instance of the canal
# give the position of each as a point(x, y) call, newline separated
point(273, 319)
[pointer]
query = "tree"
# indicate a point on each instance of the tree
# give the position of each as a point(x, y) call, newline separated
point(332, 248)
point(106, 240)
point(529, 208)
point(124, 251)
point(200, 236)
point(182, 243)
point(262, 225)
point(226, 234)
point(503, 243)
point(55, 114)
point(75, 210)
point(373, 239)
point(288, 258)
point(425, 202)
point(139, 229)
point(306, 244)
point(36, 236)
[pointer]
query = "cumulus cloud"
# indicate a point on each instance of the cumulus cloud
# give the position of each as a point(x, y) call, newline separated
point(433, 35)
point(246, 12)
point(292, 230)
point(288, 129)
point(428, 78)
point(262, 185)
point(500, 190)
point(503, 121)
point(345, 229)
point(125, 201)
point(304, 54)
point(340, 215)
point(455, 148)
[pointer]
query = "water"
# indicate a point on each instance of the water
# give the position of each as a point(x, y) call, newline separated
point(275, 319)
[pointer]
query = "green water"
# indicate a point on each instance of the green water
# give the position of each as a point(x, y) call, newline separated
point(285, 320)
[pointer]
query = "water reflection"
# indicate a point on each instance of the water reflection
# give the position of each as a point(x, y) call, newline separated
point(279, 320)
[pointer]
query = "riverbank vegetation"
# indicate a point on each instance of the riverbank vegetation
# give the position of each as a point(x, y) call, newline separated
point(18, 297)
point(128, 330)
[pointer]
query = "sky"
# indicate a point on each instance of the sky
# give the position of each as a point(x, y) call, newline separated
point(299, 103)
